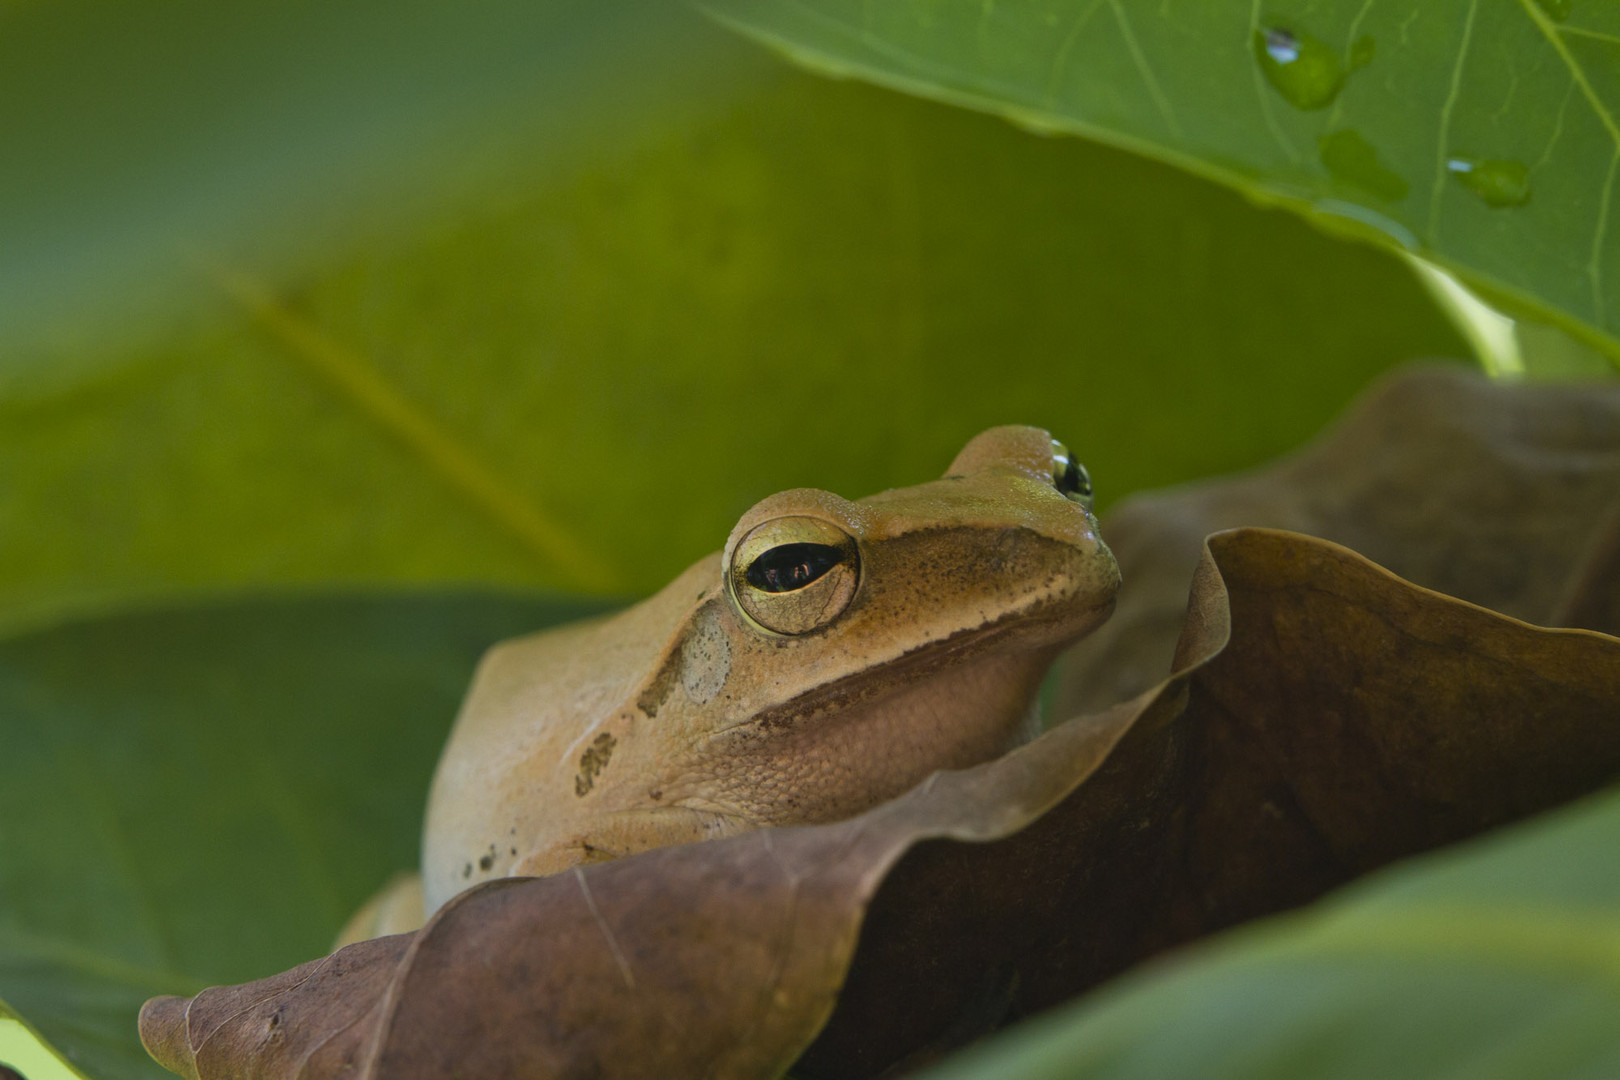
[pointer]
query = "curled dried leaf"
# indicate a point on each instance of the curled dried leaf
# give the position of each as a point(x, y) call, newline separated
point(1326, 717)
point(1503, 494)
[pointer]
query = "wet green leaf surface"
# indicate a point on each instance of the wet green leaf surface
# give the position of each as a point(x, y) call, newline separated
point(1494, 124)
point(204, 795)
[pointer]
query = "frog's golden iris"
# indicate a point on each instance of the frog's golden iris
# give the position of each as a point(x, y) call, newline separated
point(793, 575)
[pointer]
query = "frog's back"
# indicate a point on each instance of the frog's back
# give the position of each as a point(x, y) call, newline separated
point(535, 704)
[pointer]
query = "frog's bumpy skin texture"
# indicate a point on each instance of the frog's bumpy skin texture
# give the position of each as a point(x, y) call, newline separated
point(679, 719)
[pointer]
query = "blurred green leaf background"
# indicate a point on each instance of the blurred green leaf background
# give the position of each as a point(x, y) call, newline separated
point(340, 340)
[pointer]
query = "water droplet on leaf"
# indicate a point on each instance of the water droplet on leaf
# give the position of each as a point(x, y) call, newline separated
point(1282, 46)
point(1557, 10)
point(1352, 158)
point(1304, 70)
point(1497, 183)
point(1361, 52)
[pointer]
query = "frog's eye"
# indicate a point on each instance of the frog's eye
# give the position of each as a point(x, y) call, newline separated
point(1069, 476)
point(790, 567)
point(793, 575)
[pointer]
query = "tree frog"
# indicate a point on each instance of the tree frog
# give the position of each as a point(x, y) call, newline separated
point(829, 658)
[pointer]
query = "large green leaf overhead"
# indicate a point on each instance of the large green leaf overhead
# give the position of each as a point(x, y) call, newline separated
point(1480, 133)
point(583, 372)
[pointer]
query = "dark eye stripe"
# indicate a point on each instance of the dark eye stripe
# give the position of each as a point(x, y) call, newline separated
point(787, 567)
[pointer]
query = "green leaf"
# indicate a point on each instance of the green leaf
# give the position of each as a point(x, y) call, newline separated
point(1496, 959)
point(583, 372)
point(1483, 136)
point(22, 1051)
point(199, 796)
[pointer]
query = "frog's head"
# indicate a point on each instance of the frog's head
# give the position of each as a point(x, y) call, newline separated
point(832, 656)
point(870, 643)
point(1006, 540)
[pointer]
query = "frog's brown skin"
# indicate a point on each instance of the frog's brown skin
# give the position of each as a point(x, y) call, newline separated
point(682, 718)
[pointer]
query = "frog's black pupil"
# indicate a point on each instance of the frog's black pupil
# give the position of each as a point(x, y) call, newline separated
point(1075, 481)
point(792, 566)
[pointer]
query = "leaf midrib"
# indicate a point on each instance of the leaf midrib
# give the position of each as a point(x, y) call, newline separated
point(1594, 266)
point(60, 952)
point(360, 385)
point(1541, 939)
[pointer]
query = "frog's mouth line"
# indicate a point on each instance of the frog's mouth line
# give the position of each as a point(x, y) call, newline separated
point(919, 663)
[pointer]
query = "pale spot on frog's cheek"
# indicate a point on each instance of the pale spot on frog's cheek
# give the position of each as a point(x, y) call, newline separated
point(705, 658)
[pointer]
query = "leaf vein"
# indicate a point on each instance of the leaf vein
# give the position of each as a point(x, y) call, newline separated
point(1349, 42)
point(601, 924)
point(1061, 59)
point(110, 969)
point(1558, 127)
point(1594, 262)
point(362, 386)
point(1549, 30)
point(1581, 31)
point(1546, 940)
point(1441, 149)
point(1141, 63)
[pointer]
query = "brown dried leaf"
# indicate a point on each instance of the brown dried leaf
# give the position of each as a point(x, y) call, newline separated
point(1352, 719)
point(1492, 492)
point(1328, 718)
